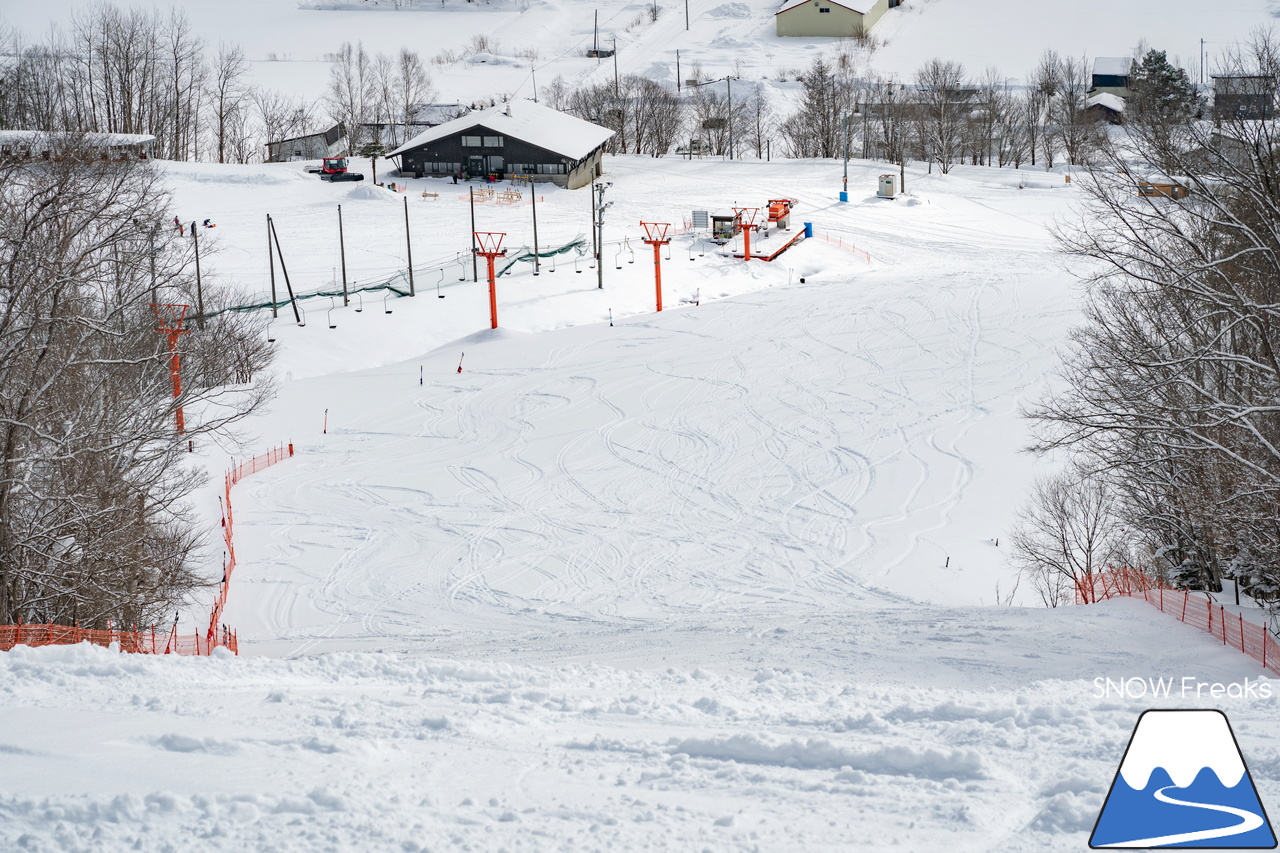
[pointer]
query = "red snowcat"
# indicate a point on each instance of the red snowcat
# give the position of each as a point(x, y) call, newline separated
point(335, 169)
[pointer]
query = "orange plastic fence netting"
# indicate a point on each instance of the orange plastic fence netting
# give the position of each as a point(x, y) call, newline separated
point(149, 642)
point(235, 475)
point(1231, 628)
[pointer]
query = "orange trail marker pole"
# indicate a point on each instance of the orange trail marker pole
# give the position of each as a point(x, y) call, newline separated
point(490, 246)
point(656, 236)
point(170, 317)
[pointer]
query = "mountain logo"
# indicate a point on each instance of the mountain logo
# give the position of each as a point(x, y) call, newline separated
point(1183, 783)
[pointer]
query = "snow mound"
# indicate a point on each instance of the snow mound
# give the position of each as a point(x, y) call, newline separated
point(819, 753)
point(731, 10)
point(371, 192)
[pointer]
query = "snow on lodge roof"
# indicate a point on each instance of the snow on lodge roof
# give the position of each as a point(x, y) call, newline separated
point(1112, 66)
point(862, 7)
point(104, 140)
point(557, 132)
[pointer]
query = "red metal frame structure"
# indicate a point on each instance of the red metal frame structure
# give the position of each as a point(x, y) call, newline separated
point(656, 236)
point(744, 219)
point(490, 247)
point(171, 317)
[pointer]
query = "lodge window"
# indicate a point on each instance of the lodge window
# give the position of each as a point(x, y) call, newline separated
point(472, 142)
point(822, 11)
point(550, 169)
point(493, 142)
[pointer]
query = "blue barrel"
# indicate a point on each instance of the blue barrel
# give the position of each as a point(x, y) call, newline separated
point(808, 230)
point(844, 196)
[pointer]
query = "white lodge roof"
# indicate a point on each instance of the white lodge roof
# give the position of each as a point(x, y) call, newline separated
point(862, 7)
point(557, 132)
point(1112, 66)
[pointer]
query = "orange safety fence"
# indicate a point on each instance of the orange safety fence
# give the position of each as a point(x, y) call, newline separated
point(233, 476)
point(843, 244)
point(1252, 639)
point(139, 641)
point(150, 640)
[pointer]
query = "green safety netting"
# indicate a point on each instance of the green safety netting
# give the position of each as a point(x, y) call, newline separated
point(398, 284)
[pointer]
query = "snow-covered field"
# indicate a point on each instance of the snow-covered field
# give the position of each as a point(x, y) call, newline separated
point(287, 40)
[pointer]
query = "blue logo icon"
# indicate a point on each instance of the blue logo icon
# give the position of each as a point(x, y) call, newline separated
point(1183, 783)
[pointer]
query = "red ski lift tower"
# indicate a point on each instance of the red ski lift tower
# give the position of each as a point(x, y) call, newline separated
point(171, 317)
point(744, 220)
point(490, 247)
point(656, 236)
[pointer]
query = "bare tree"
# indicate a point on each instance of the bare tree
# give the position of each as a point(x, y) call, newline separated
point(1172, 384)
point(1042, 87)
point(1065, 534)
point(817, 127)
point(229, 97)
point(759, 115)
point(411, 86)
point(351, 92)
point(1073, 131)
point(944, 105)
point(281, 116)
point(92, 469)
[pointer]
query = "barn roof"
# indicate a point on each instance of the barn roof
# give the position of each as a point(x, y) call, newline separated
point(557, 132)
point(862, 7)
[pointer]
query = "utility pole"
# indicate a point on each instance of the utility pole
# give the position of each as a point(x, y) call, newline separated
point(153, 261)
point(844, 188)
point(678, 65)
point(475, 264)
point(195, 240)
point(271, 256)
point(599, 225)
point(686, 15)
point(615, 68)
point(1201, 62)
point(533, 72)
point(408, 246)
point(342, 253)
point(729, 85)
point(297, 316)
point(537, 259)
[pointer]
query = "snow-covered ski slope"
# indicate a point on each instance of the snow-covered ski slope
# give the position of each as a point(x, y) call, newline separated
point(287, 40)
point(779, 447)
point(680, 581)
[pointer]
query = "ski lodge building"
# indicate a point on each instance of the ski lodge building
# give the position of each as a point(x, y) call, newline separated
point(313, 146)
point(45, 145)
point(829, 18)
point(516, 138)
